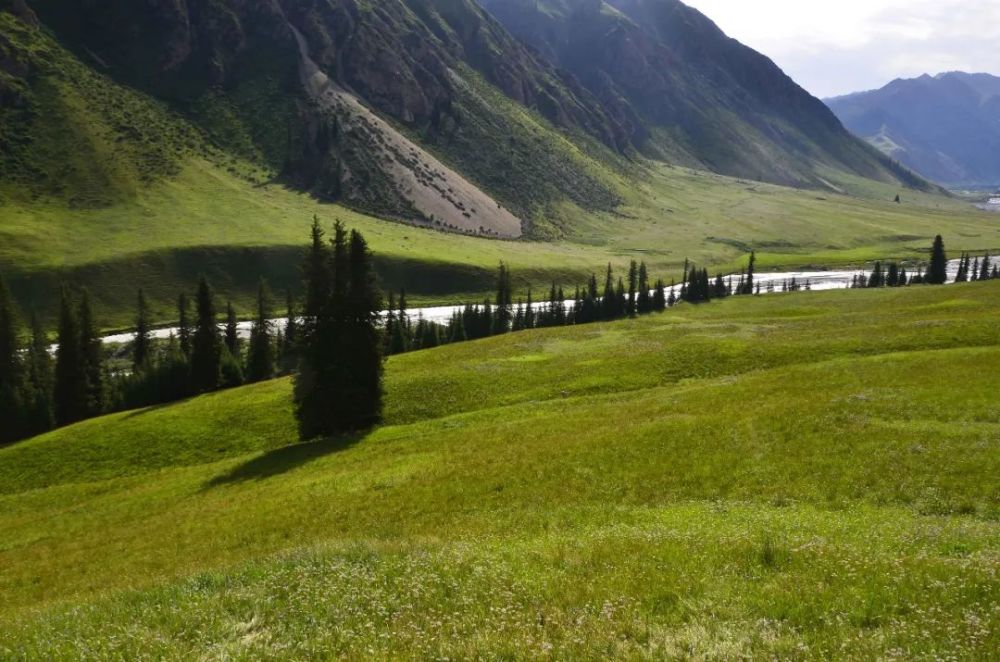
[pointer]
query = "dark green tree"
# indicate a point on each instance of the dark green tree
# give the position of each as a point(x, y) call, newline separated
point(39, 381)
point(184, 325)
point(632, 307)
point(260, 354)
point(206, 346)
point(12, 419)
point(232, 331)
point(984, 268)
point(92, 353)
point(70, 391)
point(142, 353)
point(504, 313)
point(609, 300)
point(937, 271)
point(644, 302)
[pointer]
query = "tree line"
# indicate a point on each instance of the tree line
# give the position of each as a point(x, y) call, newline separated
point(336, 345)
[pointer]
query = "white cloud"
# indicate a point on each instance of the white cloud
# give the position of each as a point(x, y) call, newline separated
point(839, 47)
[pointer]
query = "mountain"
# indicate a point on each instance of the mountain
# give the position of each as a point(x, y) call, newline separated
point(945, 127)
point(687, 93)
point(429, 111)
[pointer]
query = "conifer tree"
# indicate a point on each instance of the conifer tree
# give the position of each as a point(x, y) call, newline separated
point(671, 299)
point(644, 304)
point(291, 333)
point(632, 306)
point(529, 312)
point(609, 301)
point(984, 269)
point(142, 345)
point(504, 313)
point(92, 353)
point(963, 269)
point(232, 333)
point(659, 303)
point(937, 271)
point(70, 392)
point(361, 390)
point(892, 277)
point(38, 398)
point(184, 325)
point(12, 423)
point(751, 272)
point(206, 346)
point(974, 274)
point(260, 354)
point(399, 342)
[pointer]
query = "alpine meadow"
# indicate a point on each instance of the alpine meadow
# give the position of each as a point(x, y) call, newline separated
point(492, 329)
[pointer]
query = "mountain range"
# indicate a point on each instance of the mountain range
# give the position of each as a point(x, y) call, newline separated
point(473, 118)
point(945, 127)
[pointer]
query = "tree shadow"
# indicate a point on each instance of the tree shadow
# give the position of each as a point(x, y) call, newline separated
point(283, 460)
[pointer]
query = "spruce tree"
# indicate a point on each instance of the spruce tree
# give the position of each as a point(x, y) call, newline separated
point(184, 325)
point(984, 269)
point(70, 393)
point(12, 419)
point(39, 380)
point(232, 332)
point(632, 307)
point(92, 352)
point(206, 346)
point(974, 274)
point(660, 300)
point(644, 304)
point(291, 333)
point(609, 301)
point(142, 345)
point(504, 314)
point(748, 285)
point(671, 299)
point(361, 390)
point(937, 271)
point(530, 318)
point(260, 354)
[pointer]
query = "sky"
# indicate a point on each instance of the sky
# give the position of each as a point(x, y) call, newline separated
point(833, 48)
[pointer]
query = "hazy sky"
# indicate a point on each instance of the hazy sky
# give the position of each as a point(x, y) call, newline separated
point(843, 46)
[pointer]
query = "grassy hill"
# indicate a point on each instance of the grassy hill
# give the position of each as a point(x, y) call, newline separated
point(806, 475)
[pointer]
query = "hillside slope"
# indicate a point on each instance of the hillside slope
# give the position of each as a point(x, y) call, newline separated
point(691, 94)
point(945, 127)
point(662, 486)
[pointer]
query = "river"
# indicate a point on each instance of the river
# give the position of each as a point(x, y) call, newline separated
point(818, 280)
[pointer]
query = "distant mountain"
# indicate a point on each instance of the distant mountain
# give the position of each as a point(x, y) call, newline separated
point(945, 127)
point(429, 111)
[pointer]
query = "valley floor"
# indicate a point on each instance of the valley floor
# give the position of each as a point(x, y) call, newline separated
point(809, 475)
point(210, 221)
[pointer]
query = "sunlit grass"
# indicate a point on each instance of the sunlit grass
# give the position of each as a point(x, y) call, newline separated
point(810, 475)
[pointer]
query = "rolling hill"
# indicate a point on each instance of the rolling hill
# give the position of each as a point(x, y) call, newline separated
point(660, 487)
point(945, 127)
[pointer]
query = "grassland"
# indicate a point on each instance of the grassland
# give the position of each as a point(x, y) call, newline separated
point(806, 476)
point(207, 220)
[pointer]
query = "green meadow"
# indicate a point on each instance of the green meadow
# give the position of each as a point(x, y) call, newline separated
point(807, 476)
point(207, 220)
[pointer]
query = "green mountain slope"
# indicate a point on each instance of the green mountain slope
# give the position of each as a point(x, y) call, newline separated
point(690, 94)
point(668, 484)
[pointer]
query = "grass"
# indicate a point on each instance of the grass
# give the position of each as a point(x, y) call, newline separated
point(809, 475)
